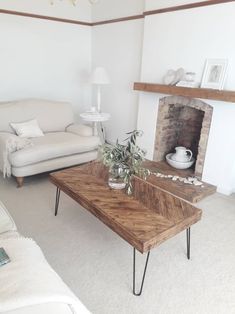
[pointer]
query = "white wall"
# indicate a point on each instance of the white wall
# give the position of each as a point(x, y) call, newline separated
point(220, 160)
point(118, 48)
point(185, 39)
point(46, 59)
point(62, 52)
point(111, 9)
point(53, 60)
point(159, 4)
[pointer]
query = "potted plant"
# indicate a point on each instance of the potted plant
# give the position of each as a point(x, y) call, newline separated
point(123, 161)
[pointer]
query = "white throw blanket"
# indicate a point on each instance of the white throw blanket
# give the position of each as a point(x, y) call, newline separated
point(10, 143)
point(29, 280)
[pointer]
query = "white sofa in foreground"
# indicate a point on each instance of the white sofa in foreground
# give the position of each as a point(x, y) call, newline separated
point(28, 284)
point(63, 143)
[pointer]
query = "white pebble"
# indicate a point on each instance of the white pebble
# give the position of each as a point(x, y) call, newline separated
point(191, 179)
point(197, 183)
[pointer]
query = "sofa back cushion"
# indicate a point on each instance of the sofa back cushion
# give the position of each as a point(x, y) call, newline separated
point(52, 116)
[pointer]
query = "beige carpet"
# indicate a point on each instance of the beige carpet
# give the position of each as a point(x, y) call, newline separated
point(97, 264)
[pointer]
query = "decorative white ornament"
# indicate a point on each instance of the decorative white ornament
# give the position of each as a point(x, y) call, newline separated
point(172, 77)
point(188, 180)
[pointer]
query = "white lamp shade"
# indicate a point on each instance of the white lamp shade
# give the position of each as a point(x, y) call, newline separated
point(100, 76)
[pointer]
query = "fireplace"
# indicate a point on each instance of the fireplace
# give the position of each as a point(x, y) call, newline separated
point(183, 122)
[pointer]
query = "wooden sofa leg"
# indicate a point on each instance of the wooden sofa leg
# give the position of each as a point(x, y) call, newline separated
point(20, 181)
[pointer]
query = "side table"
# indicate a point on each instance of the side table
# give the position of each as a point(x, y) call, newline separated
point(95, 118)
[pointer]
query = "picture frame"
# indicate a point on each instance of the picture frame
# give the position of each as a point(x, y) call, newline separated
point(214, 74)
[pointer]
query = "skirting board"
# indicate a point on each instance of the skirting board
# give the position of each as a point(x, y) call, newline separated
point(225, 191)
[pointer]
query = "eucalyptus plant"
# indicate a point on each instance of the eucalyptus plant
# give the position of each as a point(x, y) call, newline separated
point(124, 160)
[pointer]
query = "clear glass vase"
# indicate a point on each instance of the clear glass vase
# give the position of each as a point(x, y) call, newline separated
point(117, 177)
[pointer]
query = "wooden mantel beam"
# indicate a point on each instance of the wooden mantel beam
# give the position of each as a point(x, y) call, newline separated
point(203, 93)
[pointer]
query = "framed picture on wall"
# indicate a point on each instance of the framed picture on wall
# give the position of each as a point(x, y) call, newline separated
point(214, 73)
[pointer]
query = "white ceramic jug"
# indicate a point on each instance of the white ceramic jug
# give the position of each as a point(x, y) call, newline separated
point(181, 154)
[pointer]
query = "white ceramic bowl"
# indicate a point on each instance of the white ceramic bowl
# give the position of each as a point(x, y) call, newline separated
point(178, 164)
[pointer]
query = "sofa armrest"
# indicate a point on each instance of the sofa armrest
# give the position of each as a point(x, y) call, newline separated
point(28, 280)
point(80, 129)
point(47, 308)
point(4, 137)
point(10, 143)
point(6, 221)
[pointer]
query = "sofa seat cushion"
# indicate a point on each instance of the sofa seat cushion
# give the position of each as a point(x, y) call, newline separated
point(53, 145)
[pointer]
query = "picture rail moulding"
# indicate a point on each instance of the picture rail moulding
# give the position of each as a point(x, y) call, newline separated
point(203, 93)
point(121, 19)
point(187, 6)
point(44, 17)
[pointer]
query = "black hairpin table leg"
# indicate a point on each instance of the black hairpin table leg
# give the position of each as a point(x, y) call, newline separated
point(145, 268)
point(188, 242)
point(57, 200)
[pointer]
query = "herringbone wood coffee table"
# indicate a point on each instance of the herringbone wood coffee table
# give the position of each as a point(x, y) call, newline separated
point(145, 220)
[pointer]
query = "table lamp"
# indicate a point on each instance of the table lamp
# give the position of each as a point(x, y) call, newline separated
point(99, 77)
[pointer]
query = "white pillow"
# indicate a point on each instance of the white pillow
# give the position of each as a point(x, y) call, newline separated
point(27, 129)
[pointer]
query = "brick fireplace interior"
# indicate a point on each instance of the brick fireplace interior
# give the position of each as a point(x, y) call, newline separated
point(183, 122)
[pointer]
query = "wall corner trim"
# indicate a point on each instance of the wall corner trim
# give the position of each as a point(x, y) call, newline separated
point(121, 19)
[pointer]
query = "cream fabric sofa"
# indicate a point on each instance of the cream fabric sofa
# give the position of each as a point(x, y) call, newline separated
point(64, 143)
point(26, 293)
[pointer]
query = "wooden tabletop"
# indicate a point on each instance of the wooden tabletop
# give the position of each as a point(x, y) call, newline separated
point(146, 219)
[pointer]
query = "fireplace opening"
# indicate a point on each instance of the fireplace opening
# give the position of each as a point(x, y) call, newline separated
point(183, 122)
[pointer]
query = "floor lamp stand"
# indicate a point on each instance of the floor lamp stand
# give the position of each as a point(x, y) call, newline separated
point(98, 98)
